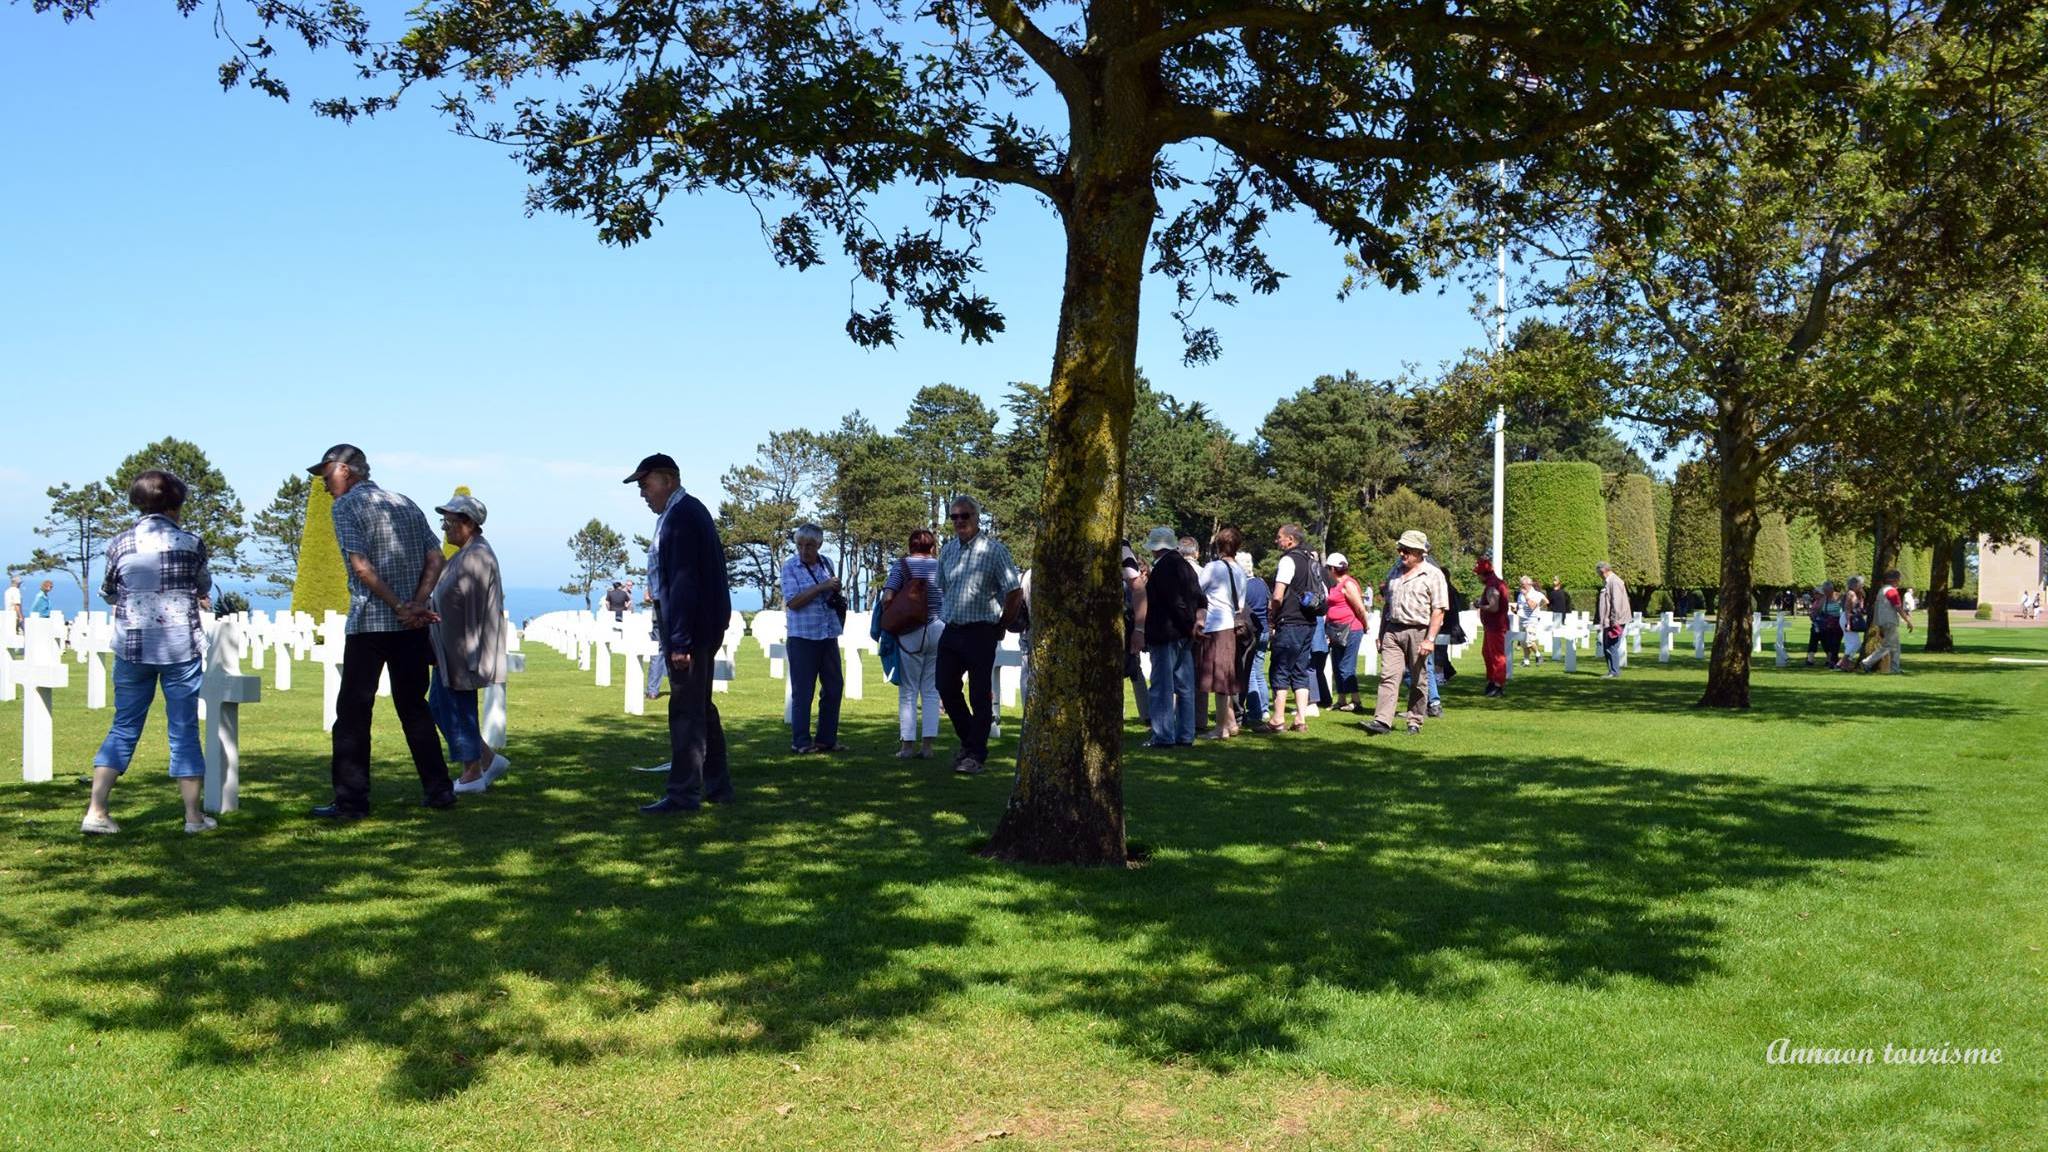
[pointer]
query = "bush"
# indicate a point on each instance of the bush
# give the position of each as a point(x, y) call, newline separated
point(1692, 557)
point(1809, 554)
point(1370, 548)
point(1983, 611)
point(1771, 567)
point(230, 603)
point(1556, 523)
point(322, 581)
point(1848, 553)
point(1632, 530)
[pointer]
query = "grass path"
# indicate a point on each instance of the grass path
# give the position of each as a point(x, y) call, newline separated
point(1572, 919)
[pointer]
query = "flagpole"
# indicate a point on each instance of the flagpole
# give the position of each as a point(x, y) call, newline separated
point(1500, 412)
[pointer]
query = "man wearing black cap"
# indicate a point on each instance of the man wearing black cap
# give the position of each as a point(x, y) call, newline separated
point(391, 553)
point(692, 602)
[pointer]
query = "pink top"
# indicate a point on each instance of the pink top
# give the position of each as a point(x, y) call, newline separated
point(1340, 608)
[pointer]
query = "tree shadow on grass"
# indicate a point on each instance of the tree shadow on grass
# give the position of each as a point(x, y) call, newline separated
point(1814, 697)
point(1369, 872)
point(549, 920)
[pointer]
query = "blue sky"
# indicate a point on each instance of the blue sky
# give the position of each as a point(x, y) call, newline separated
point(232, 270)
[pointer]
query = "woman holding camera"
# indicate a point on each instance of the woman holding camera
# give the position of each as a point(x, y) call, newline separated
point(815, 610)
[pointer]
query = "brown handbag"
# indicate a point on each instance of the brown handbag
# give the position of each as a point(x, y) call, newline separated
point(908, 609)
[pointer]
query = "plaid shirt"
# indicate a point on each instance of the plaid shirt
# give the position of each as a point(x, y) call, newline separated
point(156, 577)
point(977, 576)
point(815, 620)
point(391, 532)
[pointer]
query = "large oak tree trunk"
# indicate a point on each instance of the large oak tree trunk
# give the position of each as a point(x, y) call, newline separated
point(1728, 666)
point(1939, 638)
point(1067, 805)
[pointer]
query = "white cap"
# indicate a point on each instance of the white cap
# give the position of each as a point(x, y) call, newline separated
point(1336, 560)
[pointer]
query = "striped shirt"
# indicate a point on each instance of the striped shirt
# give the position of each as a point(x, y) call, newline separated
point(156, 577)
point(919, 567)
point(977, 575)
point(391, 533)
point(815, 620)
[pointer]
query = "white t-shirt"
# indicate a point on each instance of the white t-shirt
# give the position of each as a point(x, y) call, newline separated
point(1219, 580)
point(13, 599)
point(1286, 573)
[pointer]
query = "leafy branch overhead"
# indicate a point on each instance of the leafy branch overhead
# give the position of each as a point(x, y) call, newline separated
point(1355, 113)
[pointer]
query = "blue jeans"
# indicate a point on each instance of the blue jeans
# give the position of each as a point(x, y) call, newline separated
point(1612, 650)
point(1347, 663)
point(134, 689)
point(1436, 679)
point(814, 667)
point(1173, 692)
point(455, 715)
point(1256, 691)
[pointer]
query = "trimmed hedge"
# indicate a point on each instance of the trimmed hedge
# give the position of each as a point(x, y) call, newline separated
point(1692, 556)
point(1556, 522)
point(1660, 498)
point(1632, 530)
point(1772, 565)
point(322, 581)
point(1848, 553)
point(1809, 553)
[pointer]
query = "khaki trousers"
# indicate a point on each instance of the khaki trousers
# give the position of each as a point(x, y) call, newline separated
point(1403, 650)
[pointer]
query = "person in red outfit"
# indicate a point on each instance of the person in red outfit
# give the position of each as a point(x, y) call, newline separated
point(1494, 606)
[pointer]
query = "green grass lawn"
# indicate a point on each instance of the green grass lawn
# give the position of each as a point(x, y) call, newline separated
point(1572, 919)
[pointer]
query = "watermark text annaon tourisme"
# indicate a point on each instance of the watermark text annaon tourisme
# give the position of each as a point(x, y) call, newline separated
point(1784, 1051)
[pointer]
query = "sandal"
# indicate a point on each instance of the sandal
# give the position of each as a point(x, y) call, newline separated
point(1268, 728)
point(1298, 726)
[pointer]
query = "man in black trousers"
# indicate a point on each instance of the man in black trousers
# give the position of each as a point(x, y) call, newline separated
point(692, 603)
point(393, 560)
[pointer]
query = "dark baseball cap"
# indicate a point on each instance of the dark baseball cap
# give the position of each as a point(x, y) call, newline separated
point(659, 462)
point(345, 453)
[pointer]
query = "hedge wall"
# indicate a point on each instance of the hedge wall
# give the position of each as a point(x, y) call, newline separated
point(1556, 522)
point(1848, 553)
point(1632, 530)
point(1692, 555)
point(322, 581)
point(1809, 553)
point(1772, 566)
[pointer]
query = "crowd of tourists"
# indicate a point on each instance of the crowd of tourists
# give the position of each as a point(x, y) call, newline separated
point(1213, 650)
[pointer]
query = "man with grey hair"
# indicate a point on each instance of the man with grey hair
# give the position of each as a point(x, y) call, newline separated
point(394, 560)
point(1611, 617)
point(14, 605)
point(982, 587)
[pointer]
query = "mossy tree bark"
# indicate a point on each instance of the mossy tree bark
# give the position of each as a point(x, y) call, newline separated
point(1067, 804)
point(1939, 638)
point(1741, 468)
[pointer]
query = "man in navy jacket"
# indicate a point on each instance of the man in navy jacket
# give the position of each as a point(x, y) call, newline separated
point(692, 603)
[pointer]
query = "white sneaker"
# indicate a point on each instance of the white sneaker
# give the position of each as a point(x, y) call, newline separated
point(98, 826)
point(499, 766)
point(1312, 710)
point(203, 824)
point(472, 786)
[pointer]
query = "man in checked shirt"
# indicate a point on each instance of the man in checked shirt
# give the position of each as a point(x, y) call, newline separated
point(394, 560)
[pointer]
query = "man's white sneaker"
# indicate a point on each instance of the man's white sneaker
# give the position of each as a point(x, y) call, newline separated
point(465, 787)
point(499, 766)
point(98, 826)
point(203, 824)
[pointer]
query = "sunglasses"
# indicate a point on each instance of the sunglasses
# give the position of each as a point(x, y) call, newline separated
point(959, 516)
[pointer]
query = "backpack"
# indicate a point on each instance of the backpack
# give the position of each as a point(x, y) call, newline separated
point(1314, 594)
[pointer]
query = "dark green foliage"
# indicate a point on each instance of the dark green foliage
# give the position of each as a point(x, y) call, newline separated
point(1660, 497)
point(1692, 557)
point(1370, 545)
point(277, 529)
point(1809, 553)
point(1632, 541)
point(950, 435)
point(1772, 567)
point(1556, 522)
point(80, 520)
point(597, 553)
point(1338, 441)
point(1848, 554)
point(321, 583)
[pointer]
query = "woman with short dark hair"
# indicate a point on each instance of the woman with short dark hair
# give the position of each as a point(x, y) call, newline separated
point(1216, 667)
point(917, 653)
point(467, 633)
point(156, 583)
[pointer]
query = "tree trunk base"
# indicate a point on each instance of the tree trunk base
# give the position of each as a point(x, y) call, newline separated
point(1072, 830)
point(1729, 696)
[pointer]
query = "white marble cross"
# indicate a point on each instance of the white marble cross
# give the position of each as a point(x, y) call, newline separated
point(1756, 633)
point(1667, 627)
point(333, 633)
point(1699, 628)
point(221, 694)
point(639, 647)
point(1779, 643)
point(770, 629)
point(42, 670)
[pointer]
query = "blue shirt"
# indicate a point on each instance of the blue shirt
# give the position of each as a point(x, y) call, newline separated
point(1258, 600)
point(978, 576)
point(41, 605)
point(156, 577)
point(391, 533)
point(815, 620)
